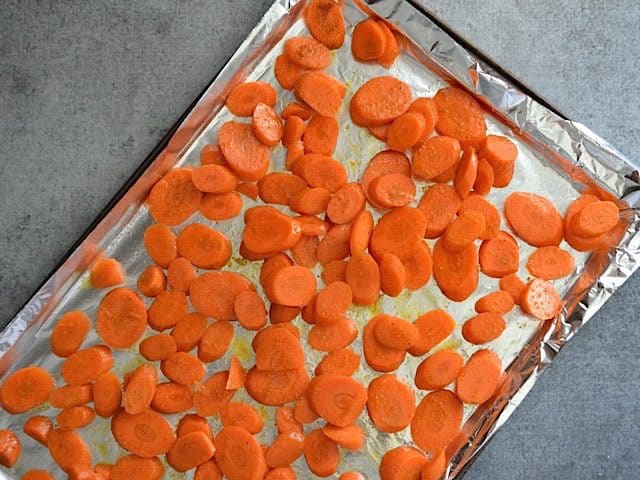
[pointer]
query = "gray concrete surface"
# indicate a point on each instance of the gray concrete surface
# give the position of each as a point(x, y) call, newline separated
point(88, 88)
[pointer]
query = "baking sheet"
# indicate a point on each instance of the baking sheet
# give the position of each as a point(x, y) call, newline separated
point(557, 158)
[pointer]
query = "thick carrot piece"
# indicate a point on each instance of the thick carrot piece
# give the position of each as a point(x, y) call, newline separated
point(321, 135)
point(277, 349)
point(286, 72)
point(325, 22)
point(427, 108)
point(312, 226)
point(483, 328)
point(86, 365)
point(391, 50)
point(594, 219)
point(160, 243)
point(292, 286)
point(456, 273)
point(132, 466)
point(245, 155)
point(500, 153)
point(406, 131)
point(479, 378)
point(296, 109)
point(335, 244)
point(550, 263)
point(579, 243)
point(466, 173)
point(379, 101)
point(468, 227)
point(193, 423)
point(491, 215)
point(248, 189)
point(174, 198)
point(384, 163)
point(321, 453)
point(439, 204)
point(392, 190)
point(189, 451)
point(395, 333)
point(67, 448)
point(214, 179)
point(37, 475)
point(203, 246)
point(534, 219)
point(282, 314)
point(73, 418)
point(38, 427)
point(151, 281)
point(122, 318)
point(460, 116)
point(363, 277)
point(69, 333)
point(541, 299)
point(305, 251)
point(332, 303)
point(158, 347)
point(215, 341)
point(267, 230)
point(208, 471)
point(294, 128)
point(167, 308)
point(250, 310)
point(361, 230)
point(499, 256)
point(350, 437)
point(439, 370)
point(321, 171)
point(243, 415)
point(338, 399)
point(402, 463)
point(140, 389)
point(106, 272)
point(497, 302)
point(10, 448)
point(381, 132)
point(220, 206)
point(512, 284)
point(211, 155)
point(339, 362)
point(379, 357)
point(244, 97)
point(484, 178)
point(266, 124)
point(434, 327)
point(180, 274)
point(418, 266)
point(437, 421)
point(319, 92)
point(279, 187)
point(434, 468)
point(238, 455)
point(285, 449)
point(391, 403)
point(346, 203)
point(71, 395)
point(368, 41)
point(211, 397)
point(398, 232)
point(435, 156)
point(172, 398)
point(393, 275)
point(307, 52)
point(107, 394)
point(310, 201)
point(213, 294)
point(333, 337)
point(183, 368)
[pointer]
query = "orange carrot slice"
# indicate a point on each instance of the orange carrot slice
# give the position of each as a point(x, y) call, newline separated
point(499, 256)
point(321, 453)
point(456, 273)
point(174, 198)
point(439, 204)
point(437, 420)
point(307, 52)
point(513, 286)
point(384, 163)
point(391, 403)
point(350, 437)
point(363, 276)
point(286, 72)
point(393, 275)
point(395, 333)
point(244, 97)
point(203, 246)
point(346, 203)
point(534, 219)
point(339, 362)
point(368, 41)
point(379, 101)
point(439, 370)
point(266, 124)
point(478, 203)
point(541, 299)
point(238, 455)
point(321, 135)
point(483, 328)
point(319, 92)
point(469, 226)
point(151, 281)
point(379, 357)
point(392, 190)
point(69, 333)
point(550, 263)
point(497, 302)
point(146, 434)
point(479, 378)
point(434, 327)
point(435, 156)
point(245, 155)
point(401, 462)
point(459, 116)
point(326, 23)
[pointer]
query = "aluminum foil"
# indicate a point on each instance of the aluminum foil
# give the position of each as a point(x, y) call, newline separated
point(557, 158)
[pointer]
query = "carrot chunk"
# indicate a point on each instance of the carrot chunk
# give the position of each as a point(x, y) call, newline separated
point(499, 256)
point(439, 370)
point(439, 205)
point(550, 263)
point(69, 333)
point(483, 328)
point(460, 116)
point(433, 327)
point(321, 453)
point(437, 420)
point(541, 299)
point(379, 101)
point(401, 462)
point(326, 23)
point(244, 98)
point(456, 273)
point(479, 378)
point(391, 403)
point(245, 155)
point(174, 198)
point(307, 52)
point(368, 41)
point(534, 219)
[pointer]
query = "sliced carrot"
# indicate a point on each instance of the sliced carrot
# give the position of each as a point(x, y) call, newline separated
point(69, 333)
point(456, 273)
point(158, 347)
point(484, 178)
point(352, 476)
point(391, 50)
point(214, 179)
point(295, 150)
point(271, 266)
point(235, 381)
point(122, 318)
point(248, 189)
point(395, 333)
point(243, 415)
point(483, 328)
point(534, 219)
point(550, 263)
point(294, 128)
point(436, 421)
point(497, 302)
point(384, 163)
point(469, 226)
point(183, 368)
point(439, 204)
point(512, 284)
point(211, 397)
point(266, 124)
point(269, 230)
point(332, 303)
point(107, 394)
point(392, 190)
point(368, 41)
point(427, 108)
point(282, 314)
point(400, 463)
point(174, 198)
point(76, 417)
point(213, 293)
point(68, 448)
point(466, 173)
point(325, 22)
point(215, 341)
point(38, 427)
point(363, 276)
point(285, 449)
point(398, 232)
point(478, 203)
point(541, 299)
point(283, 473)
point(172, 397)
point(296, 109)
point(71, 395)
point(479, 378)
point(391, 403)
point(500, 153)
point(203, 246)
point(80, 472)
point(303, 412)
point(321, 171)
point(435, 156)
point(250, 310)
point(166, 309)
point(350, 437)
point(85, 366)
point(312, 226)
point(434, 469)
point(285, 421)
point(244, 97)
point(180, 274)
point(334, 271)
point(238, 455)
point(10, 448)
point(321, 135)
point(222, 206)
point(460, 116)
point(106, 272)
point(277, 349)
point(499, 256)
point(193, 423)
point(379, 101)
point(379, 357)
point(292, 286)
point(321, 453)
point(339, 362)
point(146, 434)
point(37, 474)
point(418, 266)
point(160, 243)
point(333, 337)
point(594, 219)
point(346, 203)
point(335, 244)
point(361, 230)
point(279, 187)
point(140, 389)
point(406, 131)
point(310, 201)
point(189, 451)
point(439, 370)
point(151, 281)
point(286, 72)
point(392, 275)
point(580, 243)
point(381, 132)
point(245, 155)
point(319, 92)
point(211, 155)
point(307, 52)
point(136, 467)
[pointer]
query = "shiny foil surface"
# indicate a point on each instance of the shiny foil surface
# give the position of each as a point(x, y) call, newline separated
point(558, 158)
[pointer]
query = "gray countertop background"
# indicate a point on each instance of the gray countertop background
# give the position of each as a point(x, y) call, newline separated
point(87, 89)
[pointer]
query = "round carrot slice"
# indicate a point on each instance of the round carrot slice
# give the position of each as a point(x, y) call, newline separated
point(326, 23)
point(321, 135)
point(460, 116)
point(483, 328)
point(107, 394)
point(550, 263)
point(464, 230)
point(292, 286)
point(435, 468)
point(250, 310)
point(69, 333)
point(435, 156)
point(160, 243)
point(392, 190)
point(189, 451)
point(437, 421)
point(395, 333)
point(307, 52)
point(384, 163)
point(158, 347)
point(484, 178)
point(248, 189)
point(174, 198)
point(346, 203)
point(398, 232)
point(146, 434)
point(71, 396)
point(214, 179)
point(466, 173)
point(213, 293)
point(321, 453)
point(133, 466)
point(512, 284)
point(211, 155)
point(333, 337)
point(368, 41)
point(391, 403)
point(479, 378)
point(312, 226)
point(172, 397)
point(319, 92)
point(211, 397)
point(310, 201)
point(496, 302)
point(86, 365)
point(183, 368)
point(268, 230)
point(166, 309)
point(400, 463)
point(215, 341)
point(106, 272)
point(67, 448)
point(286, 72)
point(379, 357)
point(534, 219)
point(298, 110)
point(379, 101)
point(203, 246)
point(244, 98)
point(338, 399)
point(140, 389)
point(339, 362)
point(427, 108)
point(478, 203)
point(439, 370)
point(193, 423)
point(73, 418)
point(595, 218)
point(579, 243)
point(220, 206)
point(406, 131)
point(361, 230)
point(122, 318)
point(285, 421)
point(151, 281)
point(499, 256)
point(418, 266)
point(335, 244)
point(322, 171)
point(285, 449)
point(391, 50)
point(180, 274)
point(434, 327)
point(456, 273)
point(305, 251)
point(266, 124)
point(500, 153)
point(243, 415)
point(363, 277)
point(393, 275)
point(439, 204)
point(25, 389)
point(278, 187)
point(541, 299)
point(275, 387)
point(245, 155)
point(271, 266)
point(332, 303)
point(350, 437)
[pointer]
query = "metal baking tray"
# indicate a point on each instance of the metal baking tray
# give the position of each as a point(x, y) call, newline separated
point(557, 157)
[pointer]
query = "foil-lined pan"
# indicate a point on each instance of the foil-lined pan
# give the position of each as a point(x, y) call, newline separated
point(557, 158)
